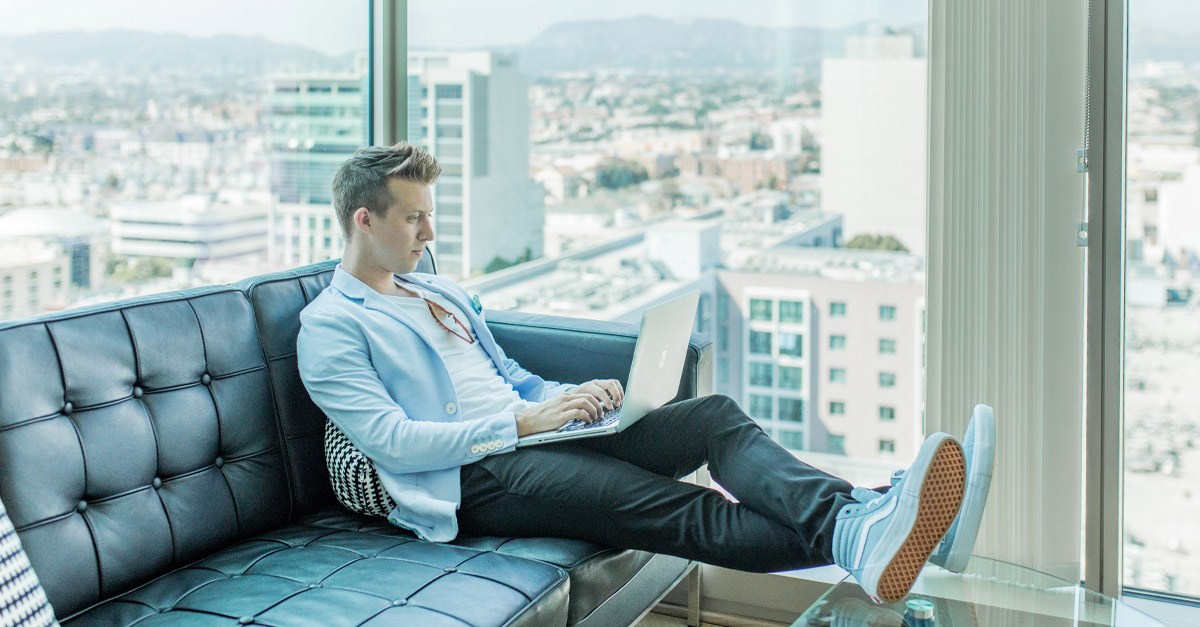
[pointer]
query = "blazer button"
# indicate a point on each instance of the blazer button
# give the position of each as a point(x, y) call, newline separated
point(451, 408)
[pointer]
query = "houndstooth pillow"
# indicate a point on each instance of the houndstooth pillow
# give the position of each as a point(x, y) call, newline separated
point(355, 482)
point(22, 601)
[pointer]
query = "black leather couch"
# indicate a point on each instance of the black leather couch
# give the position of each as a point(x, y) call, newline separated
point(163, 464)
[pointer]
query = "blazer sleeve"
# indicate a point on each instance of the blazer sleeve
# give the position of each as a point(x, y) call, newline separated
point(337, 371)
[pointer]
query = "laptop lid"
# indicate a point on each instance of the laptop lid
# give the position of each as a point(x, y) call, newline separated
point(658, 357)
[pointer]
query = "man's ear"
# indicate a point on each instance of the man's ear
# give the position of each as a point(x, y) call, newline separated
point(362, 219)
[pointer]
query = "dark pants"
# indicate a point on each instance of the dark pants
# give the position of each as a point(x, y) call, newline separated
point(621, 491)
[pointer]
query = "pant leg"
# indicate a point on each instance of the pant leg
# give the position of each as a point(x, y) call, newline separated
point(572, 492)
point(676, 439)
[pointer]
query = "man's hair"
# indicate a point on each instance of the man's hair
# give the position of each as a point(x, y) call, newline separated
point(361, 180)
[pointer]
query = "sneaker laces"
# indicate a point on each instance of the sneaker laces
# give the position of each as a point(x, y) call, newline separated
point(867, 498)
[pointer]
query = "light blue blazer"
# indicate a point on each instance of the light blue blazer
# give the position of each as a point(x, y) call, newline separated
point(368, 365)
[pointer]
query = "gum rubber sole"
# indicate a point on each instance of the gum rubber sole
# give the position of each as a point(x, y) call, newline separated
point(939, 502)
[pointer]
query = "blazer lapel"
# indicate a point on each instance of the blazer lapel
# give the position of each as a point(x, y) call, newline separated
point(349, 285)
point(477, 324)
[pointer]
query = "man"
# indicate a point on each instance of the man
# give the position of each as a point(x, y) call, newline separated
point(407, 369)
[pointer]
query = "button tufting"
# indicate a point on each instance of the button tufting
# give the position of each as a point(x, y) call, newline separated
point(399, 603)
point(68, 408)
point(205, 379)
point(219, 462)
point(314, 585)
point(157, 483)
point(137, 392)
point(81, 506)
point(450, 570)
point(246, 620)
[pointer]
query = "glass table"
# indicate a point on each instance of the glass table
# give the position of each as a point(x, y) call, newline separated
point(989, 593)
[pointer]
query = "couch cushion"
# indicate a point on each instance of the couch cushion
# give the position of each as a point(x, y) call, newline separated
point(277, 300)
point(596, 572)
point(336, 568)
point(136, 436)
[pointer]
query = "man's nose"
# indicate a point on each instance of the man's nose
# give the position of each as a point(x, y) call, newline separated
point(426, 233)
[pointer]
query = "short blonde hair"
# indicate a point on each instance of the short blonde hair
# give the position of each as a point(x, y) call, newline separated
point(361, 180)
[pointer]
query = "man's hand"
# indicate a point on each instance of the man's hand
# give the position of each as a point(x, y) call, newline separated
point(607, 391)
point(554, 413)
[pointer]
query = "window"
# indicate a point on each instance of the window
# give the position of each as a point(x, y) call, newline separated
point(887, 446)
point(760, 407)
point(837, 310)
point(887, 346)
point(791, 440)
point(791, 345)
point(760, 343)
point(887, 312)
point(761, 374)
point(837, 342)
point(887, 379)
point(887, 413)
point(791, 409)
point(835, 444)
point(837, 408)
point(837, 375)
point(442, 92)
point(760, 309)
point(791, 311)
point(1161, 407)
point(791, 378)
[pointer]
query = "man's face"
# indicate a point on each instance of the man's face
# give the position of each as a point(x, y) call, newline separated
point(399, 238)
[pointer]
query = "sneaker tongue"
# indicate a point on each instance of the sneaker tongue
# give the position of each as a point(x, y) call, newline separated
point(864, 495)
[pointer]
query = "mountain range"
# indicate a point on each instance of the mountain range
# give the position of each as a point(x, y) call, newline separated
point(634, 43)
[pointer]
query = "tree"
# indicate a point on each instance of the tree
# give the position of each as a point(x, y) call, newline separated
point(876, 242)
point(617, 173)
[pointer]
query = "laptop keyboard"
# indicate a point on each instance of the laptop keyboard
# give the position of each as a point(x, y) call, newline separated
point(610, 417)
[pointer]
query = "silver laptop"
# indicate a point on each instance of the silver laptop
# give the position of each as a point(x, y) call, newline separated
point(654, 378)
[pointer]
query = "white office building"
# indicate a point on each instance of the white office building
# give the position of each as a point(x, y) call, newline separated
point(474, 116)
point(194, 228)
point(873, 139)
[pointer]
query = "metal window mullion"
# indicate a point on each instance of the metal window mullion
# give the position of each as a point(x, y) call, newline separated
point(389, 71)
point(1103, 521)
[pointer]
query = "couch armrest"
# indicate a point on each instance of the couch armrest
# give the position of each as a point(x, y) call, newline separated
point(573, 350)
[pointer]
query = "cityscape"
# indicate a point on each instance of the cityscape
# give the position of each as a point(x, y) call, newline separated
point(599, 191)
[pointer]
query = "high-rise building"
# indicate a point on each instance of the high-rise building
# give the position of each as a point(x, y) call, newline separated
point(823, 348)
point(873, 139)
point(315, 122)
point(474, 116)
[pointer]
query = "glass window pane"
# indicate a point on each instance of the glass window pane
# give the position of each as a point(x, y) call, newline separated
point(791, 311)
point(835, 444)
point(1161, 539)
point(183, 147)
point(887, 379)
point(837, 408)
point(837, 342)
point(760, 309)
point(837, 310)
point(837, 375)
point(760, 407)
point(791, 440)
point(791, 409)
point(887, 312)
point(887, 346)
point(791, 378)
point(761, 374)
point(791, 345)
point(760, 343)
point(887, 446)
point(887, 413)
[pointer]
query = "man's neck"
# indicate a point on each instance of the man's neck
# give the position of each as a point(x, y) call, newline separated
point(373, 275)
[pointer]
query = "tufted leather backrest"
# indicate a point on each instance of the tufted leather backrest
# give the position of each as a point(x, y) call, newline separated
point(277, 299)
point(136, 436)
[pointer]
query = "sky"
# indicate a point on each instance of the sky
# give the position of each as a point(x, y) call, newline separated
point(339, 26)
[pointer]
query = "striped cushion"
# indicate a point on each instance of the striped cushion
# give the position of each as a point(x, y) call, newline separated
point(22, 601)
